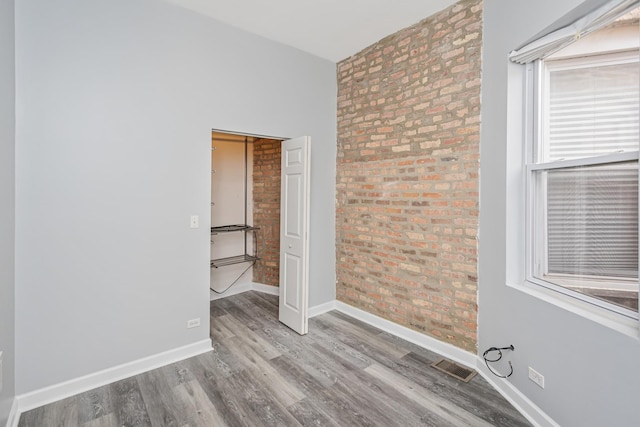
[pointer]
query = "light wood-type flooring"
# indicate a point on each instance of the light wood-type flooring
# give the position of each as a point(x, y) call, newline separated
point(260, 373)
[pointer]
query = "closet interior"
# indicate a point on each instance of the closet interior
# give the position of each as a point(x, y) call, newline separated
point(245, 212)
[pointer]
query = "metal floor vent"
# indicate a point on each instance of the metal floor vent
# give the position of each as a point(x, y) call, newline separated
point(455, 370)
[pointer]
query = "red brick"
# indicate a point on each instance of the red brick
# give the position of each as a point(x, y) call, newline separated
point(407, 176)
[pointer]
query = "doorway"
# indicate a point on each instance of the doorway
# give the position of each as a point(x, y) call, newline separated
point(260, 219)
point(245, 213)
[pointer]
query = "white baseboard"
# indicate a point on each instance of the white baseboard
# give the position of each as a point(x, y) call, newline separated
point(526, 407)
point(246, 287)
point(275, 290)
point(265, 289)
point(234, 290)
point(447, 350)
point(322, 308)
point(72, 387)
point(14, 415)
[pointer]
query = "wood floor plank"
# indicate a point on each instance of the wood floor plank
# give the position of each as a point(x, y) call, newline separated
point(127, 403)
point(376, 399)
point(356, 329)
point(213, 385)
point(223, 361)
point(258, 402)
point(244, 318)
point(94, 404)
point(267, 303)
point(375, 350)
point(476, 396)
point(286, 393)
point(199, 409)
point(62, 413)
point(108, 420)
point(161, 404)
point(217, 330)
point(370, 329)
point(216, 310)
point(340, 411)
point(251, 339)
point(310, 414)
point(282, 339)
point(32, 418)
point(436, 404)
point(328, 341)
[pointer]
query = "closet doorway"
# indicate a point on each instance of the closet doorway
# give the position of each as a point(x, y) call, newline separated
point(258, 184)
point(245, 213)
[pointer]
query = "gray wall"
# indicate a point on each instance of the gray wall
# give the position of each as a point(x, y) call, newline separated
point(115, 103)
point(592, 372)
point(7, 204)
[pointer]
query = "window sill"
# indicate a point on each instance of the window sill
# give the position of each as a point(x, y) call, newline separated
point(611, 320)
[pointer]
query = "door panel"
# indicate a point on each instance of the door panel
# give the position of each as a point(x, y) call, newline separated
point(293, 220)
point(292, 272)
point(294, 244)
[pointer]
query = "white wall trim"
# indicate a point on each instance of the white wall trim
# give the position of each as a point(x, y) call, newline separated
point(447, 350)
point(265, 289)
point(522, 403)
point(317, 310)
point(72, 387)
point(246, 287)
point(234, 290)
point(14, 415)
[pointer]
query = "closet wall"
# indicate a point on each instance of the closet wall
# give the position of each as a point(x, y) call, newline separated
point(227, 198)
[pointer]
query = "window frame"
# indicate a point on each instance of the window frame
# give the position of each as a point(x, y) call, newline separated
point(536, 73)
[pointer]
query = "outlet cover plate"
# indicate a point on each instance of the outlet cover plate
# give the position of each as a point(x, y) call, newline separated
point(536, 377)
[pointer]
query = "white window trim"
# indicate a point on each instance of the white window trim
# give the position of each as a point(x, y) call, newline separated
point(555, 38)
point(568, 298)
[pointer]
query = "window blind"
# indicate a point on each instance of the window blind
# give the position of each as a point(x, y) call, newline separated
point(592, 220)
point(592, 111)
point(592, 211)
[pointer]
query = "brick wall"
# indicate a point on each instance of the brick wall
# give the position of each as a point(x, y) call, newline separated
point(266, 209)
point(407, 176)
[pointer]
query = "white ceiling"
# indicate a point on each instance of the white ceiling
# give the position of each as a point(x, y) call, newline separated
point(330, 29)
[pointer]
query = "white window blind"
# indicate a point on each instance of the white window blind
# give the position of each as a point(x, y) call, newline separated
point(592, 211)
point(592, 220)
point(592, 110)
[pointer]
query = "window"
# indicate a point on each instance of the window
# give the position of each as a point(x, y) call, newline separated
point(582, 167)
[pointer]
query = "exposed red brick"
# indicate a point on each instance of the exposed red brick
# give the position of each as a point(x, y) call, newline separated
point(407, 176)
point(266, 209)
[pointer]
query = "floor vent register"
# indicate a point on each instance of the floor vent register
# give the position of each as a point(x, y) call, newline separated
point(455, 370)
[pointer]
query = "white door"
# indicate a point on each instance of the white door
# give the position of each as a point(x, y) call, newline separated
point(294, 243)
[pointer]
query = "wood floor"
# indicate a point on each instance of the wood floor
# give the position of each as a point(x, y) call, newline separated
point(260, 373)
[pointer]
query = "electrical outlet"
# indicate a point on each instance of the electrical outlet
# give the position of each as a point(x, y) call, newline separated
point(194, 221)
point(193, 323)
point(536, 377)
